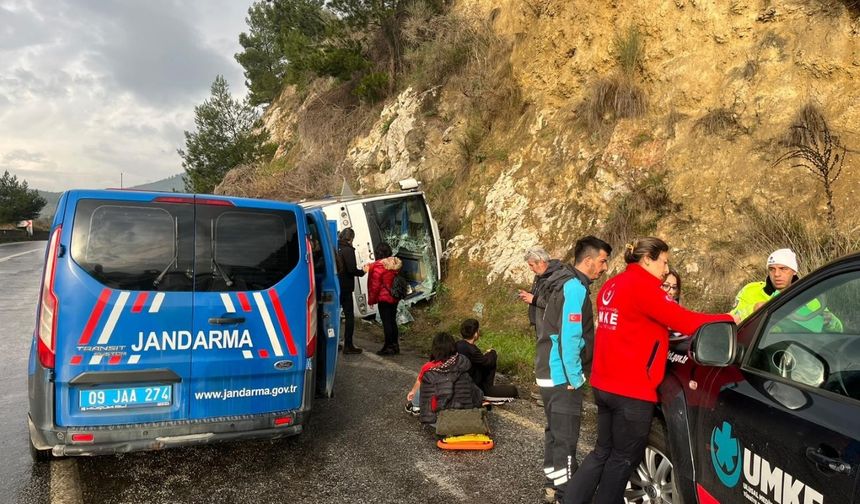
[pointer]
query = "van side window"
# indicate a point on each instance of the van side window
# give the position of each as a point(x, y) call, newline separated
point(133, 245)
point(814, 339)
point(243, 250)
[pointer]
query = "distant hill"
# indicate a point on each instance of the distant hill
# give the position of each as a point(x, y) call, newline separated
point(170, 184)
point(48, 210)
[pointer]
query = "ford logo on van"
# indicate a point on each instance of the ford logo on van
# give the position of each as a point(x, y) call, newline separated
point(283, 364)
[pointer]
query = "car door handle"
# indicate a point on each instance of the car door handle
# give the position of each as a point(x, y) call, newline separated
point(834, 464)
point(226, 320)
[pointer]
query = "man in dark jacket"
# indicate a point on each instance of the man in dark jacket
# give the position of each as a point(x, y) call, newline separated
point(564, 348)
point(483, 371)
point(346, 276)
point(542, 266)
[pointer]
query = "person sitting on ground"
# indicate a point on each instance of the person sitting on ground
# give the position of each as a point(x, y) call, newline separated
point(484, 364)
point(444, 382)
point(440, 352)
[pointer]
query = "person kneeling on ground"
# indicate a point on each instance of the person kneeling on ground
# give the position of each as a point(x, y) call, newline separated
point(483, 371)
point(443, 383)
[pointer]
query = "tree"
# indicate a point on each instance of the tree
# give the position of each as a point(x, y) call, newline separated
point(229, 133)
point(17, 202)
point(263, 58)
point(384, 15)
point(291, 41)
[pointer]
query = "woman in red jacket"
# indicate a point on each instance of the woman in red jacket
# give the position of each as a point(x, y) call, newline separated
point(630, 350)
point(380, 278)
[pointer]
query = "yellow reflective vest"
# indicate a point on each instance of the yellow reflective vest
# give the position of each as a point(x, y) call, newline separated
point(812, 316)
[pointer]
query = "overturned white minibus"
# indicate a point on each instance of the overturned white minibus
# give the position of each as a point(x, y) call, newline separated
point(404, 221)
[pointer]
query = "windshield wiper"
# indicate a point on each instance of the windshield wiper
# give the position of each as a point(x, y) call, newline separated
point(217, 268)
point(175, 260)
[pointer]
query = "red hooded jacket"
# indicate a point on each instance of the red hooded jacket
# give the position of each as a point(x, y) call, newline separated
point(380, 279)
point(632, 341)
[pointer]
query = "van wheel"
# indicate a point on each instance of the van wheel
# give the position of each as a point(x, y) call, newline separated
point(654, 480)
point(37, 455)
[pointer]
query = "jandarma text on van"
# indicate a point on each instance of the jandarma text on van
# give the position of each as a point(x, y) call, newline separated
point(246, 392)
point(183, 340)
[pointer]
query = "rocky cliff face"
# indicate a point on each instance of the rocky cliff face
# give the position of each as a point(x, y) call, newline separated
point(722, 82)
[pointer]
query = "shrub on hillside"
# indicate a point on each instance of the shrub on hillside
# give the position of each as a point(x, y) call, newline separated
point(815, 147)
point(629, 50)
point(637, 212)
point(720, 122)
point(613, 98)
point(618, 96)
point(372, 87)
point(438, 46)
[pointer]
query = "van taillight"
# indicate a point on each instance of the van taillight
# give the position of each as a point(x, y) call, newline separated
point(312, 305)
point(47, 327)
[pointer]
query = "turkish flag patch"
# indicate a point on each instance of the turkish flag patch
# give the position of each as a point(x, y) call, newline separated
point(574, 317)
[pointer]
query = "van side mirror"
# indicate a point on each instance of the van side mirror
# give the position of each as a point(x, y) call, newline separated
point(715, 344)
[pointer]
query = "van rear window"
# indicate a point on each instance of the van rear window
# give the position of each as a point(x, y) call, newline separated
point(179, 247)
point(132, 246)
point(245, 249)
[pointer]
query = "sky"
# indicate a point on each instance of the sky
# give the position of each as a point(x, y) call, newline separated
point(92, 89)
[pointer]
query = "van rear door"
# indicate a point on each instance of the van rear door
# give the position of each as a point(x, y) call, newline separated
point(323, 246)
point(253, 288)
point(123, 283)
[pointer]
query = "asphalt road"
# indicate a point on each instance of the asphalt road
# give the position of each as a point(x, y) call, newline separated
point(360, 447)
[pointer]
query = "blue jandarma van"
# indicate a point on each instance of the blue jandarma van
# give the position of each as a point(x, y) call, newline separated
point(172, 319)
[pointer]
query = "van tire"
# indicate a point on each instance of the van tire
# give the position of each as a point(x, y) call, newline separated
point(653, 481)
point(39, 456)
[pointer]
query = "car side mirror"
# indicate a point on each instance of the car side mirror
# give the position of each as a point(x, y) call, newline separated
point(715, 344)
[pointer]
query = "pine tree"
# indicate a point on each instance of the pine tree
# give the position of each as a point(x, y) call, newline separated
point(17, 201)
point(228, 133)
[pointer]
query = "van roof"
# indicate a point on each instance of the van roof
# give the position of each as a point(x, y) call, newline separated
point(137, 194)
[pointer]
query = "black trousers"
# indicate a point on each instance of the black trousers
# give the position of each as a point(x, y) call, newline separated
point(623, 424)
point(563, 409)
point(388, 315)
point(348, 317)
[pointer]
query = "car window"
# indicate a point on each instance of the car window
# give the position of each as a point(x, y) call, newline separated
point(814, 339)
point(131, 245)
point(243, 250)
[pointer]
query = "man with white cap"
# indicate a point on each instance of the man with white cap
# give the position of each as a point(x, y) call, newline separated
point(781, 272)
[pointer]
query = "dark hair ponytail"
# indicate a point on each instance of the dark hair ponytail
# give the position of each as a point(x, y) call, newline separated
point(651, 247)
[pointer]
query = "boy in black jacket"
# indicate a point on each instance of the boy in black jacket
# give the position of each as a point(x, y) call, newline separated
point(483, 371)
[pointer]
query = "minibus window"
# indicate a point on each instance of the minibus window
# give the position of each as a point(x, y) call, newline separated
point(403, 223)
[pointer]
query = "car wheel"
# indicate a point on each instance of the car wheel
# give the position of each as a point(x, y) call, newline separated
point(39, 455)
point(653, 481)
